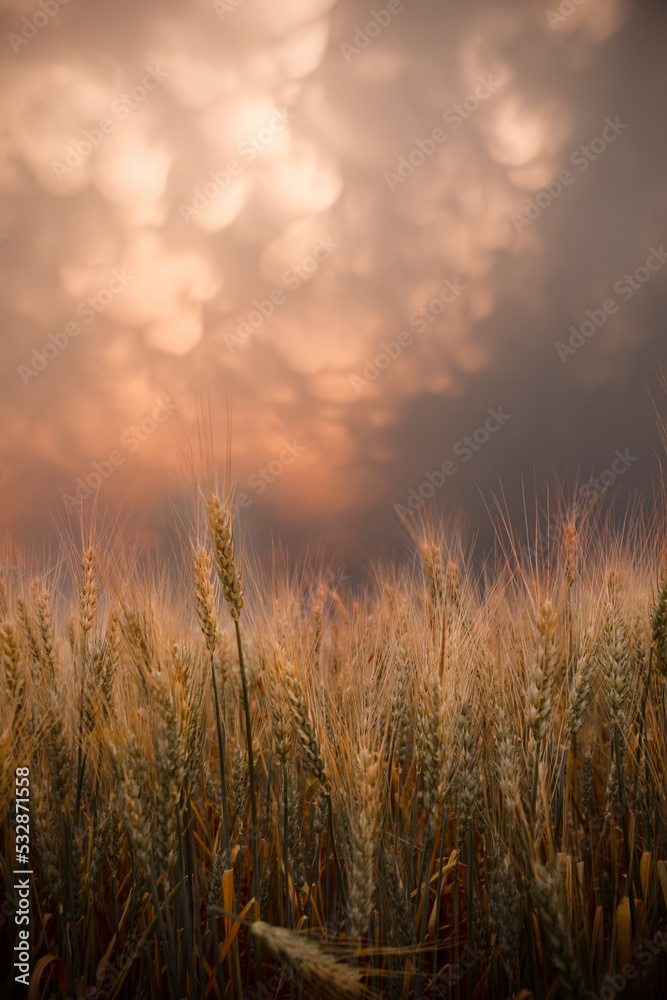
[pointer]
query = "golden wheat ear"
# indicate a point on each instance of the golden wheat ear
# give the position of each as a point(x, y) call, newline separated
point(88, 593)
point(205, 597)
point(659, 629)
point(222, 538)
point(319, 967)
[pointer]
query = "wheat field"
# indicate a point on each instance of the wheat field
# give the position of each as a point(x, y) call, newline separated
point(449, 784)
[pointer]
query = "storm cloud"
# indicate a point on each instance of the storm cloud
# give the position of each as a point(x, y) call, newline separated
point(363, 229)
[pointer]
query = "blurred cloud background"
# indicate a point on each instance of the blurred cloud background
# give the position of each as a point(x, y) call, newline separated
point(304, 115)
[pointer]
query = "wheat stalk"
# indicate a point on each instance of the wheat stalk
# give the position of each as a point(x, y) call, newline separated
point(88, 593)
point(361, 892)
point(205, 597)
point(222, 538)
point(659, 628)
point(12, 662)
point(558, 935)
point(318, 967)
point(580, 690)
point(303, 722)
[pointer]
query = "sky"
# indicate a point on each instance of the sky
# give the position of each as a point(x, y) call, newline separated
point(395, 259)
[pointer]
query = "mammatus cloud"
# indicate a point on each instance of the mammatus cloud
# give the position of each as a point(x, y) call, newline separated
point(311, 209)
